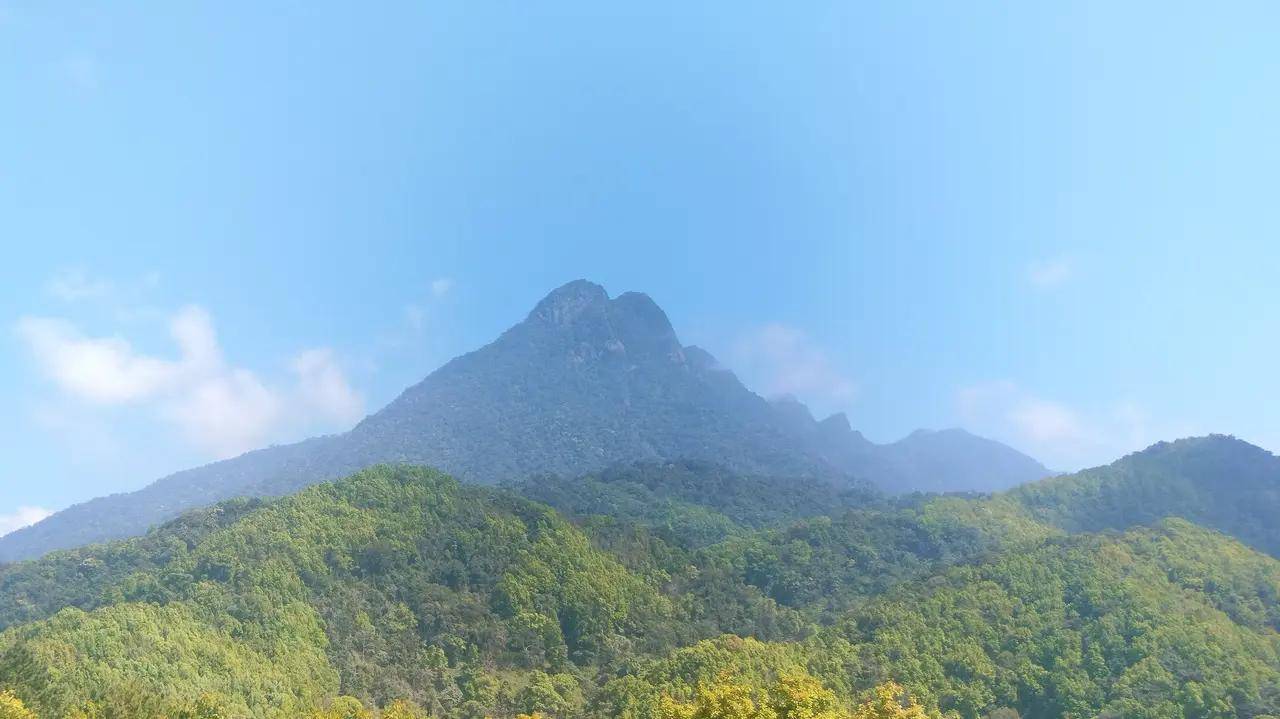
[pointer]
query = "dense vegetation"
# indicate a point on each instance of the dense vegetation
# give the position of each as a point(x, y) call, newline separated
point(583, 383)
point(675, 590)
point(693, 503)
point(1217, 481)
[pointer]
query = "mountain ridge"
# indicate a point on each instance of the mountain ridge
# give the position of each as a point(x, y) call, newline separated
point(585, 381)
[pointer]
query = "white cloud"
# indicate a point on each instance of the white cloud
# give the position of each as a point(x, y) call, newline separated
point(218, 407)
point(1061, 436)
point(226, 413)
point(783, 360)
point(1051, 273)
point(21, 517)
point(441, 286)
point(323, 386)
point(104, 370)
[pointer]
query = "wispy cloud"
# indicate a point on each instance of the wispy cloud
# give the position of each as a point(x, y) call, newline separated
point(1059, 434)
point(784, 360)
point(1050, 273)
point(127, 299)
point(415, 317)
point(441, 286)
point(74, 284)
point(417, 313)
point(219, 407)
point(21, 517)
point(1044, 421)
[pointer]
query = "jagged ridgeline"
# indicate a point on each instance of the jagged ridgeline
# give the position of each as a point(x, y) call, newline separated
point(658, 589)
point(585, 382)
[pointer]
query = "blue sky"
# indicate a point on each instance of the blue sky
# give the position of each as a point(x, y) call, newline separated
point(1054, 224)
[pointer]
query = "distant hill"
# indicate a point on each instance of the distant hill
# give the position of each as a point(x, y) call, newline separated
point(583, 383)
point(1216, 481)
point(949, 460)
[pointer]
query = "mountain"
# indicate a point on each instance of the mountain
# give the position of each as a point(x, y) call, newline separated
point(401, 584)
point(955, 460)
point(583, 383)
point(950, 460)
point(1216, 481)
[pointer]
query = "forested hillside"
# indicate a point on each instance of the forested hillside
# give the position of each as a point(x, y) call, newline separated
point(653, 591)
point(1217, 481)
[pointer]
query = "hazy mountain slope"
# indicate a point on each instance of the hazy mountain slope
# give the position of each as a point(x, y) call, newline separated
point(132, 513)
point(950, 460)
point(584, 382)
point(954, 460)
point(1216, 481)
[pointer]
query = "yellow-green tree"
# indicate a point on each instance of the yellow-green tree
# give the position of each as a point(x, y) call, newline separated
point(796, 696)
point(343, 708)
point(401, 709)
point(11, 707)
point(890, 701)
point(206, 706)
point(719, 700)
point(800, 696)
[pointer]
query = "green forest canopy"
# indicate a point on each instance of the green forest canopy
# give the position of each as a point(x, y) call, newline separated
point(641, 594)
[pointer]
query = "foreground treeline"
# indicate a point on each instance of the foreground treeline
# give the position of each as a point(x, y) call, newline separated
point(670, 592)
point(790, 697)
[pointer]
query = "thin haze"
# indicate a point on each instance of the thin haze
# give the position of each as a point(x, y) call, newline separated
point(226, 226)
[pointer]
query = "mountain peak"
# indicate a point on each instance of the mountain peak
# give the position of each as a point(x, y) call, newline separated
point(642, 326)
point(949, 434)
point(794, 412)
point(630, 326)
point(836, 425)
point(567, 303)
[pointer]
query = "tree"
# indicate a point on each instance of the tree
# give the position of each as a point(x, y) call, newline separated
point(207, 706)
point(11, 707)
point(890, 701)
point(801, 696)
point(343, 707)
point(401, 709)
point(718, 700)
